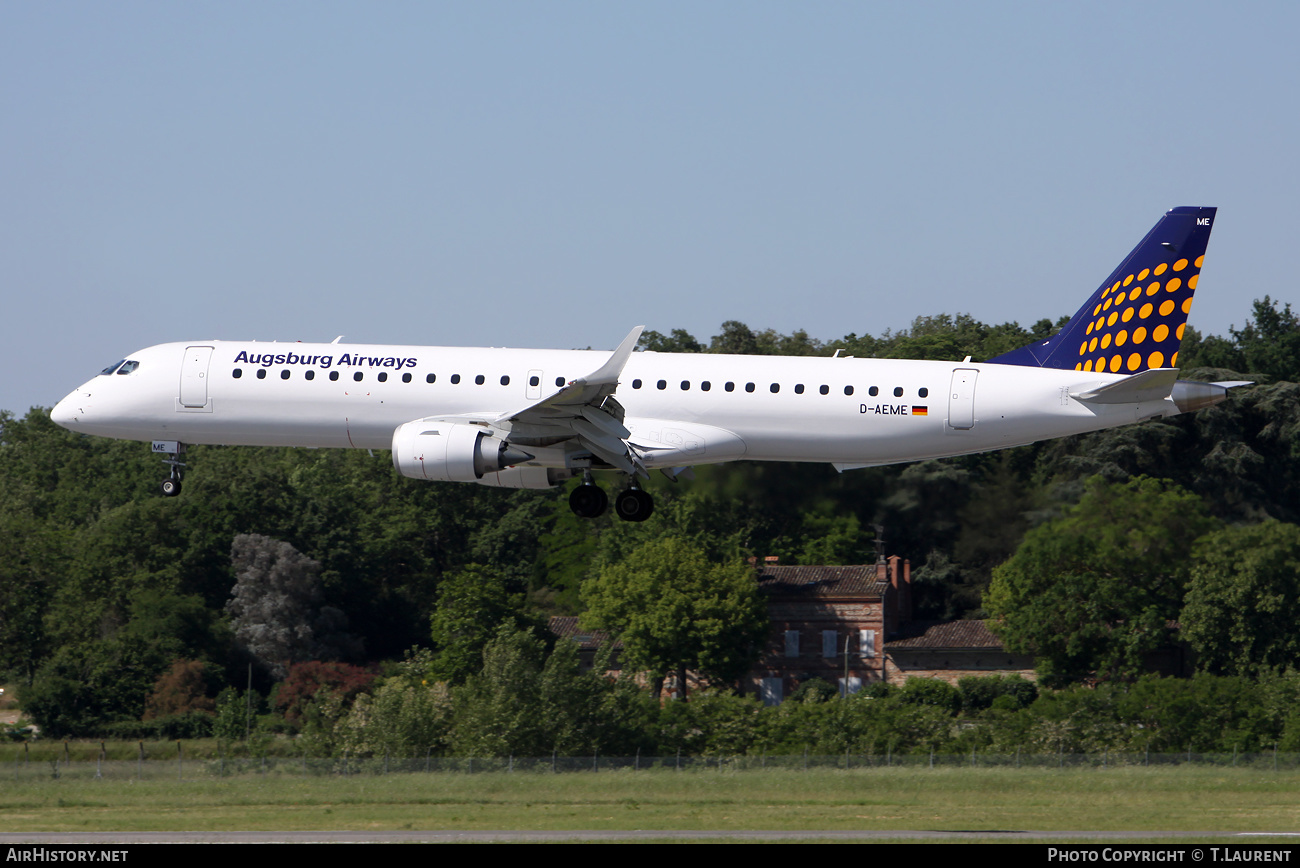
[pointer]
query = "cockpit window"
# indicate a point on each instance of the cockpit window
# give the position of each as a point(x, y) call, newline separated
point(128, 367)
point(113, 367)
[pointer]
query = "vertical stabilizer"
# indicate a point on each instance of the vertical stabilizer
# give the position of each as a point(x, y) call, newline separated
point(1134, 321)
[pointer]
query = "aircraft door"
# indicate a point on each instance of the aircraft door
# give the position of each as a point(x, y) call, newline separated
point(534, 385)
point(961, 399)
point(194, 376)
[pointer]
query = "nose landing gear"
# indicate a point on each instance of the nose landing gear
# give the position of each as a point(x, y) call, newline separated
point(171, 486)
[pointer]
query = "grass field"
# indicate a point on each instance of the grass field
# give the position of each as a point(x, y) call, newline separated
point(1134, 799)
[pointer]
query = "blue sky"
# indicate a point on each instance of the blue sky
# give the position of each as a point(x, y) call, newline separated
point(551, 174)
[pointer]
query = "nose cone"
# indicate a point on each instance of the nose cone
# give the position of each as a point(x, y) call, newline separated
point(68, 412)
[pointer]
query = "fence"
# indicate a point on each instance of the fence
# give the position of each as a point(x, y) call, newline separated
point(177, 768)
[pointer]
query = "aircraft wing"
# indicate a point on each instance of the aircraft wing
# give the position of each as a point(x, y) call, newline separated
point(584, 408)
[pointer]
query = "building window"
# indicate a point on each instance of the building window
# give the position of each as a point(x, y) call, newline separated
point(867, 643)
point(772, 691)
point(792, 643)
point(830, 647)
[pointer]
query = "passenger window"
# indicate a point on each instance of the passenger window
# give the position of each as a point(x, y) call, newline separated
point(406, 378)
point(284, 375)
point(430, 378)
point(705, 386)
point(825, 390)
point(537, 381)
point(898, 391)
point(358, 376)
point(261, 373)
point(730, 387)
point(383, 376)
point(559, 381)
point(776, 387)
point(873, 391)
point(310, 375)
point(848, 390)
point(749, 387)
point(237, 373)
point(686, 385)
point(334, 375)
point(505, 381)
point(478, 381)
point(798, 388)
point(661, 385)
point(636, 384)
point(455, 379)
point(923, 392)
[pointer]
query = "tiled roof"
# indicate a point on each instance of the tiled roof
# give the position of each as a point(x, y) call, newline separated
point(944, 635)
point(859, 581)
point(566, 627)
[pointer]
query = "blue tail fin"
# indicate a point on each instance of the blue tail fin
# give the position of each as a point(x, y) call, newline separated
point(1134, 321)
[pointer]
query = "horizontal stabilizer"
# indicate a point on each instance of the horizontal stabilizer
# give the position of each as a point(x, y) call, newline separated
point(1153, 385)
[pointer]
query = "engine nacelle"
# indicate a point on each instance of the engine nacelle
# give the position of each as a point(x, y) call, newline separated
point(443, 451)
point(526, 477)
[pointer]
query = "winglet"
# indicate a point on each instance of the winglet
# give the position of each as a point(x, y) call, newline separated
point(608, 373)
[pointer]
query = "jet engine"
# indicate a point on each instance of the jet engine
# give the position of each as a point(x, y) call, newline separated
point(442, 451)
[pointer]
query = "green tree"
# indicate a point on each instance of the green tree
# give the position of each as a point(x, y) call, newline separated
point(498, 710)
point(473, 605)
point(1243, 600)
point(674, 610)
point(1092, 592)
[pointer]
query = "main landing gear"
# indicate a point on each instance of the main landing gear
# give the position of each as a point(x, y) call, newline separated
point(171, 486)
point(589, 500)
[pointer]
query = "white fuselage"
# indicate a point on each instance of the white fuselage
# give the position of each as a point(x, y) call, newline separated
point(846, 411)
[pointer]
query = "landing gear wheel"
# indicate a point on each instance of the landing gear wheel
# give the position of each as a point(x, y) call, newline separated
point(588, 501)
point(170, 487)
point(634, 505)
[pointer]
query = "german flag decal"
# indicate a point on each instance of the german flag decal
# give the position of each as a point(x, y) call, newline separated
point(919, 411)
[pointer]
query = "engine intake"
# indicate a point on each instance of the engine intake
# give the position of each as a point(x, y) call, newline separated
point(442, 451)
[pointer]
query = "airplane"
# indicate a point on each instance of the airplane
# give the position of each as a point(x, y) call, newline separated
point(521, 418)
